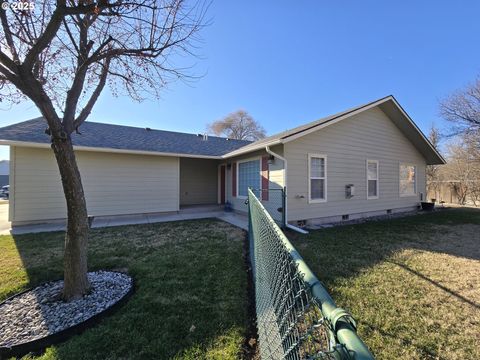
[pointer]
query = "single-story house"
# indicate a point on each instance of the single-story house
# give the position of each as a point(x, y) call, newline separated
point(365, 161)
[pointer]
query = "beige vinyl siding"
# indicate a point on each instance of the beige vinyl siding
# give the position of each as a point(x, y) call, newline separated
point(114, 184)
point(198, 181)
point(276, 173)
point(347, 145)
point(275, 178)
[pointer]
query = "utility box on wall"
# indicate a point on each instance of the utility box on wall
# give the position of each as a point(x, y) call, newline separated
point(349, 191)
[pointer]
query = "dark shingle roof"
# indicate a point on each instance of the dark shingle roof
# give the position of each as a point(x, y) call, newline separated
point(99, 135)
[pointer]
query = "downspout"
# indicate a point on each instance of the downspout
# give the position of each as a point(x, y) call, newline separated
point(267, 149)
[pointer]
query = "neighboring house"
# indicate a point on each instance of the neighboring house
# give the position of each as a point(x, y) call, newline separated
point(369, 160)
point(4, 171)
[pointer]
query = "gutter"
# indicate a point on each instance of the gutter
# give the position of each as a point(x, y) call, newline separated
point(109, 150)
point(249, 148)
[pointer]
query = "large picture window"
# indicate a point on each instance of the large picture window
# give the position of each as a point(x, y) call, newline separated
point(408, 175)
point(317, 165)
point(372, 179)
point(248, 176)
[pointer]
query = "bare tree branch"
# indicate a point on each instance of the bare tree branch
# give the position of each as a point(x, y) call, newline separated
point(45, 39)
point(7, 62)
point(8, 36)
point(94, 97)
point(462, 109)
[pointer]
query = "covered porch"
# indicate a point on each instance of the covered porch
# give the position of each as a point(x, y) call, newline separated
point(200, 183)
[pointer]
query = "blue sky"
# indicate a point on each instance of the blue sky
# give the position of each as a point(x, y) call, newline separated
point(288, 63)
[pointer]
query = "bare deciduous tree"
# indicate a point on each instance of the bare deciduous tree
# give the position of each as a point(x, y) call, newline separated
point(432, 171)
point(237, 125)
point(462, 108)
point(62, 54)
point(462, 171)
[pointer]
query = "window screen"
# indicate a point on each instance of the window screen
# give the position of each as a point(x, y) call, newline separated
point(372, 178)
point(317, 178)
point(408, 180)
point(248, 176)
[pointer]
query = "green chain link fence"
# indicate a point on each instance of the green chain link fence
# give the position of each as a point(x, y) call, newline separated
point(296, 317)
point(273, 201)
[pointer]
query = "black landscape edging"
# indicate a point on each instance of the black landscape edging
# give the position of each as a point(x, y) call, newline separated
point(41, 344)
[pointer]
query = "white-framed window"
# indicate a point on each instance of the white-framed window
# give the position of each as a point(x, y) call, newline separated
point(408, 180)
point(372, 179)
point(248, 176)
point(317, 178)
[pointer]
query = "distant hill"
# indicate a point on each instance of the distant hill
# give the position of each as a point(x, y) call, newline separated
point(4, 167)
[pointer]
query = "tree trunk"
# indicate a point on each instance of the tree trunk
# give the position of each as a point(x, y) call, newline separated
point(75, 257)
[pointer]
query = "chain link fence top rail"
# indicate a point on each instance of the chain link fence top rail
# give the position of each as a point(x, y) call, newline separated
point(296, 317)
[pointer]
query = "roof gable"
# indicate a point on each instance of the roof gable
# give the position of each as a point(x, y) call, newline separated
point(388, 105)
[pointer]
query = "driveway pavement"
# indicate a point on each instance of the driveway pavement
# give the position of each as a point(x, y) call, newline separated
point(4, 223)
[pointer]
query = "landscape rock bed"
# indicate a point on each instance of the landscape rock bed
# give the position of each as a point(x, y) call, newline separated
point(40, 312)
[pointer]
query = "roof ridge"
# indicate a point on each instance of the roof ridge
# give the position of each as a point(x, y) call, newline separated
point(135, 127)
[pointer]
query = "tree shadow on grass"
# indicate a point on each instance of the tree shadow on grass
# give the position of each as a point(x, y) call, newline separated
point(425, 351)
point(190, 296)
point(437, 284)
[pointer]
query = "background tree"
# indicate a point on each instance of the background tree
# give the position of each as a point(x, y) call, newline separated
point(63, 53)
point(462, 171)
point(238, 125)
point(432, 171)
point(462, 109)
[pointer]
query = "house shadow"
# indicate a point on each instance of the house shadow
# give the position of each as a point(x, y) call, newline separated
point(347, 251)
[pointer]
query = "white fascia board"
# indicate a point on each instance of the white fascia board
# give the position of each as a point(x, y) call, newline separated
point(242, 151)
point(25, 144)
point(418, 130)
point(108, 150)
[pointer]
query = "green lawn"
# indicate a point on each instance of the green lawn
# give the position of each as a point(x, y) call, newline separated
point(412, 283)
point(191, 297)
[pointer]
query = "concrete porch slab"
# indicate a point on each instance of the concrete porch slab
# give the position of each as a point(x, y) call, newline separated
point(238, 220)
